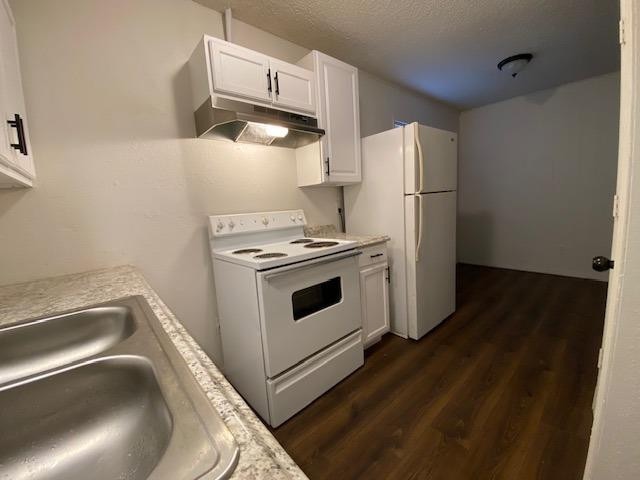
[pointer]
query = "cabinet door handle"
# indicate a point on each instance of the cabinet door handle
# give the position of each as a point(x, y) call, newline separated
point(388, 274)
point(328, 166)
point(277, 84)
point(269, 81)
point(17, 123)
point(376, 255)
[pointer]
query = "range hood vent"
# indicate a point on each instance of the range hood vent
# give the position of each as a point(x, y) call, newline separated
point(241, 122)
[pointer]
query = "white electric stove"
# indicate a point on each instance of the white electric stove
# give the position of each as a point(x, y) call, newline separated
point(289, 309)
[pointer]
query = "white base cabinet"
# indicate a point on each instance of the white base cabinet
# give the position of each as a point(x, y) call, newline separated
point(335, 159)
point(16, 162)
point(374, 293)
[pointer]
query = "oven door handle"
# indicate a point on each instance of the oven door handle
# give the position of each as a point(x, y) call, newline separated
point(311, 263)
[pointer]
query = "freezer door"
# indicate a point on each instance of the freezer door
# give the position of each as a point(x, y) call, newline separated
point(431, 260)
point(431, 159)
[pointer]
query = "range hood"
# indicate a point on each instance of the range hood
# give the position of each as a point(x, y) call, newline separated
point(242, 122)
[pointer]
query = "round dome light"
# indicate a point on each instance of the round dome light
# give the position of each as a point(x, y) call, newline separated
point(514, 64)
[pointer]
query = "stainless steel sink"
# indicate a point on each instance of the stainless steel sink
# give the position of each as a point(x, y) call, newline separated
point(102, 393)
point(38, 345)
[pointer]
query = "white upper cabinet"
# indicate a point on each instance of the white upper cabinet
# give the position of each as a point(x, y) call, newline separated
point(335, 160)
point(223, 71)
point(340, 114)
point(16, 162)
point(293, 87)
point(239, 71)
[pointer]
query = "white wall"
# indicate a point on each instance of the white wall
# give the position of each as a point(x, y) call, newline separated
point(537, 178)
point(120, 177)
point(381, 103)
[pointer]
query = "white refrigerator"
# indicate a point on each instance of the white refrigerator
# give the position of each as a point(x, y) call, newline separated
point(408, 191)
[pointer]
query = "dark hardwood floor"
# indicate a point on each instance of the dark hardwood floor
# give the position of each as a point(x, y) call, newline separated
point(501, 390)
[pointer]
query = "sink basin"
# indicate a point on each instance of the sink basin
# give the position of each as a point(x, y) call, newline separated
point(32, 347)
point(102, 393)
point(97, 411)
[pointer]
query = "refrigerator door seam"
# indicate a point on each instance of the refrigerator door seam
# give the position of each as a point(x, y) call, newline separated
point(428, 193)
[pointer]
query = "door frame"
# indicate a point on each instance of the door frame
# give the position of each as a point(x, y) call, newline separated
point(615, 433)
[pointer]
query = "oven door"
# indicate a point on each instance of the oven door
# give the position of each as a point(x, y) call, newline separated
point(306, 307)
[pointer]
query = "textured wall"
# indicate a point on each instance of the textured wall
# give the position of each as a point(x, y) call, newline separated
point(120, 177)
point(537, 178)
point(381, 103)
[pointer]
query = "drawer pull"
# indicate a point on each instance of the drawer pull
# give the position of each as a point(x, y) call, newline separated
point(21, 146)
point(376, 255)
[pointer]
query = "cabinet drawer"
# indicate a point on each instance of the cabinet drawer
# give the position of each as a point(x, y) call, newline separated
point(374, 254)
point(293, 390)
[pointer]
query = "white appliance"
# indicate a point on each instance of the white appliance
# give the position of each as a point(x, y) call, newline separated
point(289, 310)
point(408, 191)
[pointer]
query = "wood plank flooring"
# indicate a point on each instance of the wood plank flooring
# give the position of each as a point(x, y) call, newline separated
point(501, 390)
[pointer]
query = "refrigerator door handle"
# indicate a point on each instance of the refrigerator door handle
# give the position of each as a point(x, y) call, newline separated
point(419, 241)
point(420, 157)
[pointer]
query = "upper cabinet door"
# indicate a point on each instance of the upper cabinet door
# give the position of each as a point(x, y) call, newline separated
point(293, 87)
point(339, 115)
point(12, 106)
point(239, 71)
point(7, 154)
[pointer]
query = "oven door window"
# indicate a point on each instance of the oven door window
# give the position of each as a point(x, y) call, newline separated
point(316, 297)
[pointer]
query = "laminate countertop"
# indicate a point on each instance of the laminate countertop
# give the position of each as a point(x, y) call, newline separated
point(261, 456)
point(330, 231)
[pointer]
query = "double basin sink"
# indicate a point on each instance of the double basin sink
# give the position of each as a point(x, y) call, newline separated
point(102, 393)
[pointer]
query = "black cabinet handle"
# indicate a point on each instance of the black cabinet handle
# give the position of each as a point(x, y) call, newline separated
point(328, 167)
point(269, 81)
point(376, 255)
point(17, 123)
point(277, 84)
point(602, 264)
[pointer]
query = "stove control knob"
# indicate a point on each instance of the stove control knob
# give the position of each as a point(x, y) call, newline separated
point(219, 226)
point(265, 221)
point(300, 217)
point(293, 218)
point(231, 224)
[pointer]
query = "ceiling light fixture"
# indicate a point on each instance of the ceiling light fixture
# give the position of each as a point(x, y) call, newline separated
point(514, 64)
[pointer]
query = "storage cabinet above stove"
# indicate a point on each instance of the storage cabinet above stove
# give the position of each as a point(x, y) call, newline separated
point(222, 70)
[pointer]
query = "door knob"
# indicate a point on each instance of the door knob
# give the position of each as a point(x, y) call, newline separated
point(602, 264)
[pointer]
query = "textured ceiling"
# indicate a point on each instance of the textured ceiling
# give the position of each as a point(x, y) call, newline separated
point(449, 49)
